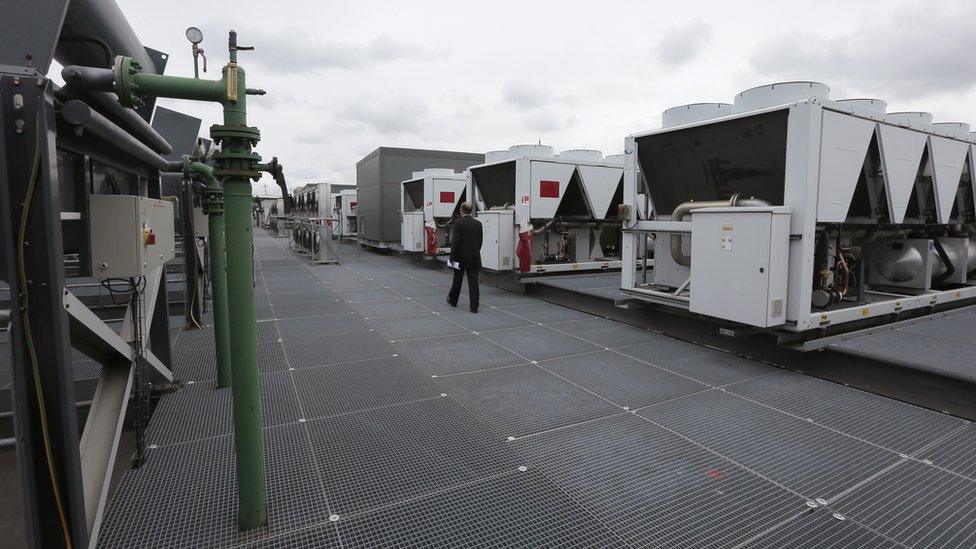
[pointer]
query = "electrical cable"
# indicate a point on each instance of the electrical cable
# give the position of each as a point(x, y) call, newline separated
point(29, 337)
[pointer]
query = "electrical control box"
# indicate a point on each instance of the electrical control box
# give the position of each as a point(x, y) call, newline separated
point(739, 263)
point(130, 235)
point(498, 244)
point(412, 238)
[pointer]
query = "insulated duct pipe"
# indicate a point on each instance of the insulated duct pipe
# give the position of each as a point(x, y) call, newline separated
point(108, 104)
point(98, 21)
point(685, 208)
point(80, 114)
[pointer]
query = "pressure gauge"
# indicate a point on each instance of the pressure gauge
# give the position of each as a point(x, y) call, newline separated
point(194, 35)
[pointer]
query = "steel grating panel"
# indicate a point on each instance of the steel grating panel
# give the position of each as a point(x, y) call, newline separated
point(654, 489)
point(415, 326)
point(315, 327)
point(805, 457)
point(201, 410)
point(621, 379)
point(546, 313)
point(344, 388)
point(916, 351)
point(456, 354)
point(204, 338)
point(956, 327)
point(427, 290)
point(957, 453)
point(384, 456)
point(540, 343)
point(602, 331)
point(918, 505)
point(700, 363)
point(522, 400)
point(306, 354)
point(186, 495)
point(201, 364)
point(821, 529)
point(260, 313)
point(356, 296)
point(439, 302)
point(486, 319)
point(519, 509)
point(379, 309)
point(312, 309)
point(895, 425)
point(320, 297)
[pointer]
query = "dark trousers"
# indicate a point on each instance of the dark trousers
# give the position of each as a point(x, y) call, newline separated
point(473, 293)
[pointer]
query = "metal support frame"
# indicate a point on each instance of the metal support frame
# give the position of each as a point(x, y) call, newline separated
point(28, 129)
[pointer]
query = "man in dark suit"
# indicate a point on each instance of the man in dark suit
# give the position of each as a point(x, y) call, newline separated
point(466, 239)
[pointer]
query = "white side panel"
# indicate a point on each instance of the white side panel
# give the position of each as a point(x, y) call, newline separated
point(844, 147)
point(948, 157)
point(546, 177)
point(600, 184)
point(446, 196)
point(901, 155)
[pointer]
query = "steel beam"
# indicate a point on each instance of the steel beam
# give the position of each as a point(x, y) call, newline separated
point(45, 419)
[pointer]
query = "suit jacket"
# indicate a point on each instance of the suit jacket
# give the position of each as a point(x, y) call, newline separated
point(466, 237)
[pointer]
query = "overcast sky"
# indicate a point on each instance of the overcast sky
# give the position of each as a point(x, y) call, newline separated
point(346, 77)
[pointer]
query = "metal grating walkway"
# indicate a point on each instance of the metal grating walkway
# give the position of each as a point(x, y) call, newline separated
point(944, 344)
point(392, 419)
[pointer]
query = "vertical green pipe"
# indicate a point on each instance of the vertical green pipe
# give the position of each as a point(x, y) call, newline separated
point(232, 162)
point(218, 281)
point(235, 167)
point(213, 206)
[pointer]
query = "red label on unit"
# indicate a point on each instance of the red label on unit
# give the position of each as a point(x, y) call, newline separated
point(447, 197)
point(548, 189)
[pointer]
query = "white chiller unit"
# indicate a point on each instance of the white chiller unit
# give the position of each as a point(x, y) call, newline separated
point(563, 209)
point(429, 202)
point(345, 212)
point(790, 211)
point(313, 216)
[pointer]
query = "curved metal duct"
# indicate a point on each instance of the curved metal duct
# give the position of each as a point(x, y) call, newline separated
point(685, 208)
point(695, 112)
point(780, 93)
point(90, 26)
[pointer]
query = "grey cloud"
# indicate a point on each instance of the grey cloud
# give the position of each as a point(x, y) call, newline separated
point(681, 44)
point(289, 51)
point(524, 95)
point(916, 51)
point(387, 114)
point(548, 121)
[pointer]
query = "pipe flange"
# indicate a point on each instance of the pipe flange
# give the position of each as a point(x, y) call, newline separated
point(238, 173)
point(126, 68)
point(220, 132)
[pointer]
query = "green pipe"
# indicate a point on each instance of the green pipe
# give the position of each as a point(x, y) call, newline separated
point(235, 167)
point(213, 207)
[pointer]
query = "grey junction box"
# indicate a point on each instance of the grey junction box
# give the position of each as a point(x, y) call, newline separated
point(130, 235)
point(740, 263)
point(378, 179)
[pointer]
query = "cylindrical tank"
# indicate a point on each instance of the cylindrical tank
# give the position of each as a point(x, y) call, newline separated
point(586, 155)
point(865, 106)
point(496, 156)
point(896, 262)
point(529, 150)
point(912, 119)
point(615, 159)
point(959, 130)
point(695, 112)
point(780, 93)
